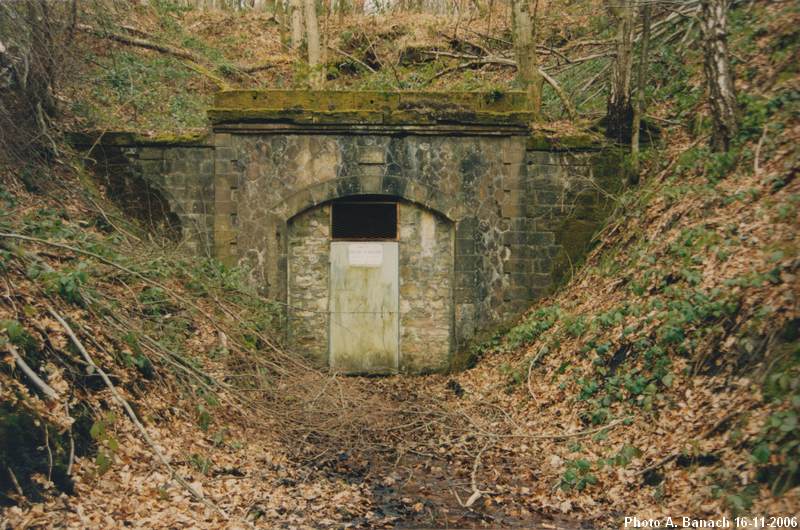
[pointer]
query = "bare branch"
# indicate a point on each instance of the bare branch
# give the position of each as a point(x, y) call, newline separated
point(46, 389)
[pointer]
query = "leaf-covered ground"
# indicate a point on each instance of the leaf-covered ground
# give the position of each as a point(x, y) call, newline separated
point(662, 379)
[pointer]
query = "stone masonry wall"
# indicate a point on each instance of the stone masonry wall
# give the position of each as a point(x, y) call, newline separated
point(519, 214)
point(571, 192)
point(262, 180)
point(308, 278)
point(166, 186)
point(426, 295)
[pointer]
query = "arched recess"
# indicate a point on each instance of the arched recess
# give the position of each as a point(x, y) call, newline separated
point(426, 242)
point(409, 190)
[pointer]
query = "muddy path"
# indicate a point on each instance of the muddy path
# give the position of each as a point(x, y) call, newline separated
point(427, 493)
point(416, 491)
point(428, 457)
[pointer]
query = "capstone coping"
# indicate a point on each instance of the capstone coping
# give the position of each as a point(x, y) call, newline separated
point(339, 107)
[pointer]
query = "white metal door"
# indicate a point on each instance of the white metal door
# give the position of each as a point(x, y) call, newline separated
point(364, 307)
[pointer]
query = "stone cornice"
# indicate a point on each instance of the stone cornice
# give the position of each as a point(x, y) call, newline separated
point(409, 112)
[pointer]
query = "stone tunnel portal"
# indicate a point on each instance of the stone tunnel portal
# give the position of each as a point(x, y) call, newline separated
point(399, 227)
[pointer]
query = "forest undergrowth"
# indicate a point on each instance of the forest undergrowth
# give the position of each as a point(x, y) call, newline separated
point(143, 386)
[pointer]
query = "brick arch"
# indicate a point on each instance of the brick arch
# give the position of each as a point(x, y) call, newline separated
point(406, 189)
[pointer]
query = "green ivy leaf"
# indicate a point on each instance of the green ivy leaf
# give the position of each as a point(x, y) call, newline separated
point(103, 462)
point(789, 422)
point(761, 453)
point(98, 430)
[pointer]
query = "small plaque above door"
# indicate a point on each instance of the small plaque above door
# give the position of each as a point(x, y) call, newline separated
point(365, 254)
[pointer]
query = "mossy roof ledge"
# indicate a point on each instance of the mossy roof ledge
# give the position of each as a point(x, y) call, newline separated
point(371, 107)
point(574, 141)
point(129, 138)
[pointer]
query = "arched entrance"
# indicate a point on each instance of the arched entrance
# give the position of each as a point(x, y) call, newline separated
point(370, 285)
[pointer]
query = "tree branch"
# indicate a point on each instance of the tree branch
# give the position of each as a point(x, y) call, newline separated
point(141, 43)
point(568, 106)
point(46, 389)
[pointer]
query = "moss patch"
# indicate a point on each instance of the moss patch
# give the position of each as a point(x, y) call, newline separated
point(370, 107)
point(125, 139)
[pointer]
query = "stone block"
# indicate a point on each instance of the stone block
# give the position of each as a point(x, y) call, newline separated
point(543, 264)
point(152, 167)
point(513, 153)
point(588, 198)
point(466, 227)
point(548, 197)
point(465, 247)
point(348, 186)
point(464, 295)
point(512, 207)
point(393, 186)
point(513, 182)
point(372, 154)
point(376, 171)
point(517, 265)
point(467, 262)
point(223, 140)
point(540, 280)
point(519, 292)
point(151, 153)
point(540, 238)
point(226, 166)
point(514, 238)
point(227, 180)
point(223, 208)
point(466, 280)
point(225, 153)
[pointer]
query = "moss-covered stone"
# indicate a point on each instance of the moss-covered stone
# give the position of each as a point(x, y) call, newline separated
point(132, 139)
point(371, 117)
point(353, 107)
point(570, 142)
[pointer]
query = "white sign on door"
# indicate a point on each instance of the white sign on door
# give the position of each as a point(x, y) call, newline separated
point(365, 254)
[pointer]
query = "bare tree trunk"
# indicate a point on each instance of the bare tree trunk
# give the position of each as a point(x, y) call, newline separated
point(721, 92)
point(312, 40)
point(281, 12)
point(620, 109)
point(638, 109)
point(296, 7)
point(522, 20)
